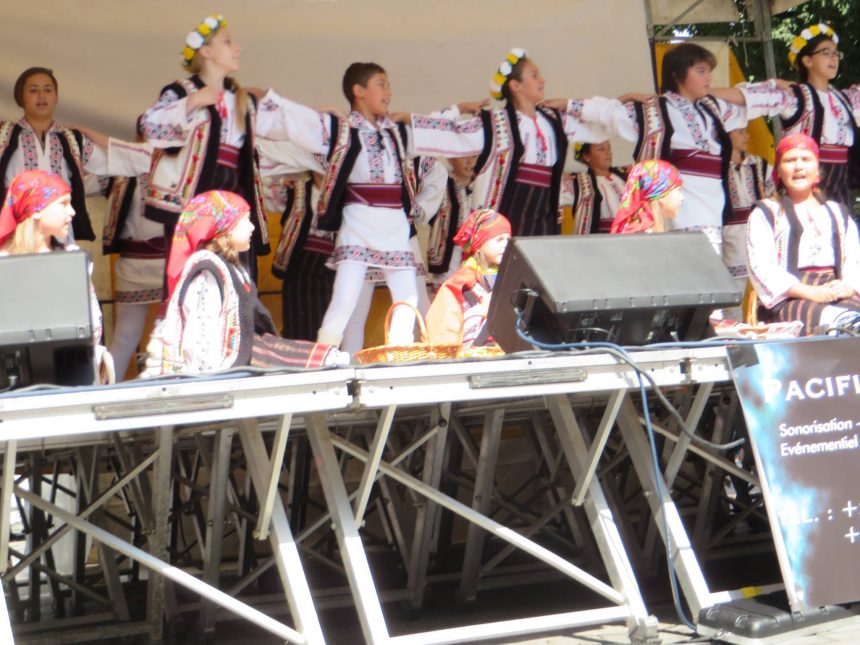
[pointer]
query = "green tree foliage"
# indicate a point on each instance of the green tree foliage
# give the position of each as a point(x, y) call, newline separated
point(842, 15)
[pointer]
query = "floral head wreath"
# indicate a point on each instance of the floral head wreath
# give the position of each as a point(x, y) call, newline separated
point(578, 151)
point(501, 76)
point(802, 40)
point(197, 38)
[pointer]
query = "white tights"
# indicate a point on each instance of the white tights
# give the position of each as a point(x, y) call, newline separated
point(348, 286)
point(129, 321)
point(353, 335)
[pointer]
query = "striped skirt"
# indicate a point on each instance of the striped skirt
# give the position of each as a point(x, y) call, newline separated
point(305, 294)
point(530, 211)
point(834, 182)
point(806, 311)
point(273, 351)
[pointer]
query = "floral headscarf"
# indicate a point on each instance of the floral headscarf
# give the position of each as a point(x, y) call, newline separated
point(30, 192)
point(205, 217)
point(648, 181)
point(792, 142)
point(480, 226)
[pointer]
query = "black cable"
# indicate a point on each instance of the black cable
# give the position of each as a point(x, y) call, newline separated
point(621, 354)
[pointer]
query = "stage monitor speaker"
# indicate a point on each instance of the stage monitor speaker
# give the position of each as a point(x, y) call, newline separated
point(625, 289)
point(46, 331)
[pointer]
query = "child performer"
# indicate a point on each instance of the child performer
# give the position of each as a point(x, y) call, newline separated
point(203, 130)
point(36, 142)
point(214, 319)
point(597, 191)
point(651, 200)
point(521, 147)
point(803, 252)
point(431, 178)
point(139, 242)
point(367, 195)
point(815, 108)
point(36, 216)
point(688, 126)
point(443, 256)
point(749, 181)
point(459, 311)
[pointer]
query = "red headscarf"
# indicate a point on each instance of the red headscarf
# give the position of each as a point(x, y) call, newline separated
point(480, 227)
point(792, 142)
point(30, 192)
point(205, 217)
point(648, 181)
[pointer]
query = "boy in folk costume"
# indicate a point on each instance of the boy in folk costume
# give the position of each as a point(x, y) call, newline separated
point(596, 193)
point(366, 196)
point(431, 177)
point(459, 311)
point(203, 129)
point(687, 125)
point(521, 147)
point(36, 142)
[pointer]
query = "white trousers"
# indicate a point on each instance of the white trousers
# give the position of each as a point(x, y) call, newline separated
point(348, 285)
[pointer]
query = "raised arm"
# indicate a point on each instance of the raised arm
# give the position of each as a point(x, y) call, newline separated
point(447, 134)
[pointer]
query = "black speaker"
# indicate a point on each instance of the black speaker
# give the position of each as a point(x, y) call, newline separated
point(46, 331)
point(625, 289)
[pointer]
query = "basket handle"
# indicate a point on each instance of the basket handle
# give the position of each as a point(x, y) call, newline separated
point(422, 326)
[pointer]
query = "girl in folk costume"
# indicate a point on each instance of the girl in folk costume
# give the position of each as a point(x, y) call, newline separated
point(459, 311)
point(214, 319)
point(36, 217)
point(803, 252)
point(596, 192)
point(652, 198)
point(36, 142)
point(367, 196)
point(203, 130)
point(815, 108)
point(443, 255)
point(686, 125)
point(139, 242)
point(521, 147)
point(750, 180)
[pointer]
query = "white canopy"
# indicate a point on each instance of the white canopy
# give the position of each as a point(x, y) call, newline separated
point(665, 12)
point(112, 58)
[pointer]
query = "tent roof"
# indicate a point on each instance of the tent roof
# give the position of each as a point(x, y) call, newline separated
point(664, 12)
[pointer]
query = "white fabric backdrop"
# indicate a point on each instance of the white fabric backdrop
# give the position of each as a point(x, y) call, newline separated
point(112, 56)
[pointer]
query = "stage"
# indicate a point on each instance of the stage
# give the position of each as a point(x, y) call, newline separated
point(273, 497)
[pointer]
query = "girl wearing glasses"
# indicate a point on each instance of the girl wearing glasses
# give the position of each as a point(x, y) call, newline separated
point(815, 108)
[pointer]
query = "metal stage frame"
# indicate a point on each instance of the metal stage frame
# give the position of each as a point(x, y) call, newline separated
point(345, 471)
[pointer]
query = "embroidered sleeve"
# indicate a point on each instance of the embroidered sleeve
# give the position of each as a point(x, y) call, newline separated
point(203, 335)
point(166, 124)
point(128, 159)
point(286, 158)
point(93, 158)
point(853, 95)
point(282, 119)
point(765, 261)
point(610, 117)
point(578, 129)
point(766, 99)
point(433, 180)
point(445, 135)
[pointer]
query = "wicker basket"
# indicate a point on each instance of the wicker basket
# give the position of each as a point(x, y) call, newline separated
point(421, 351)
